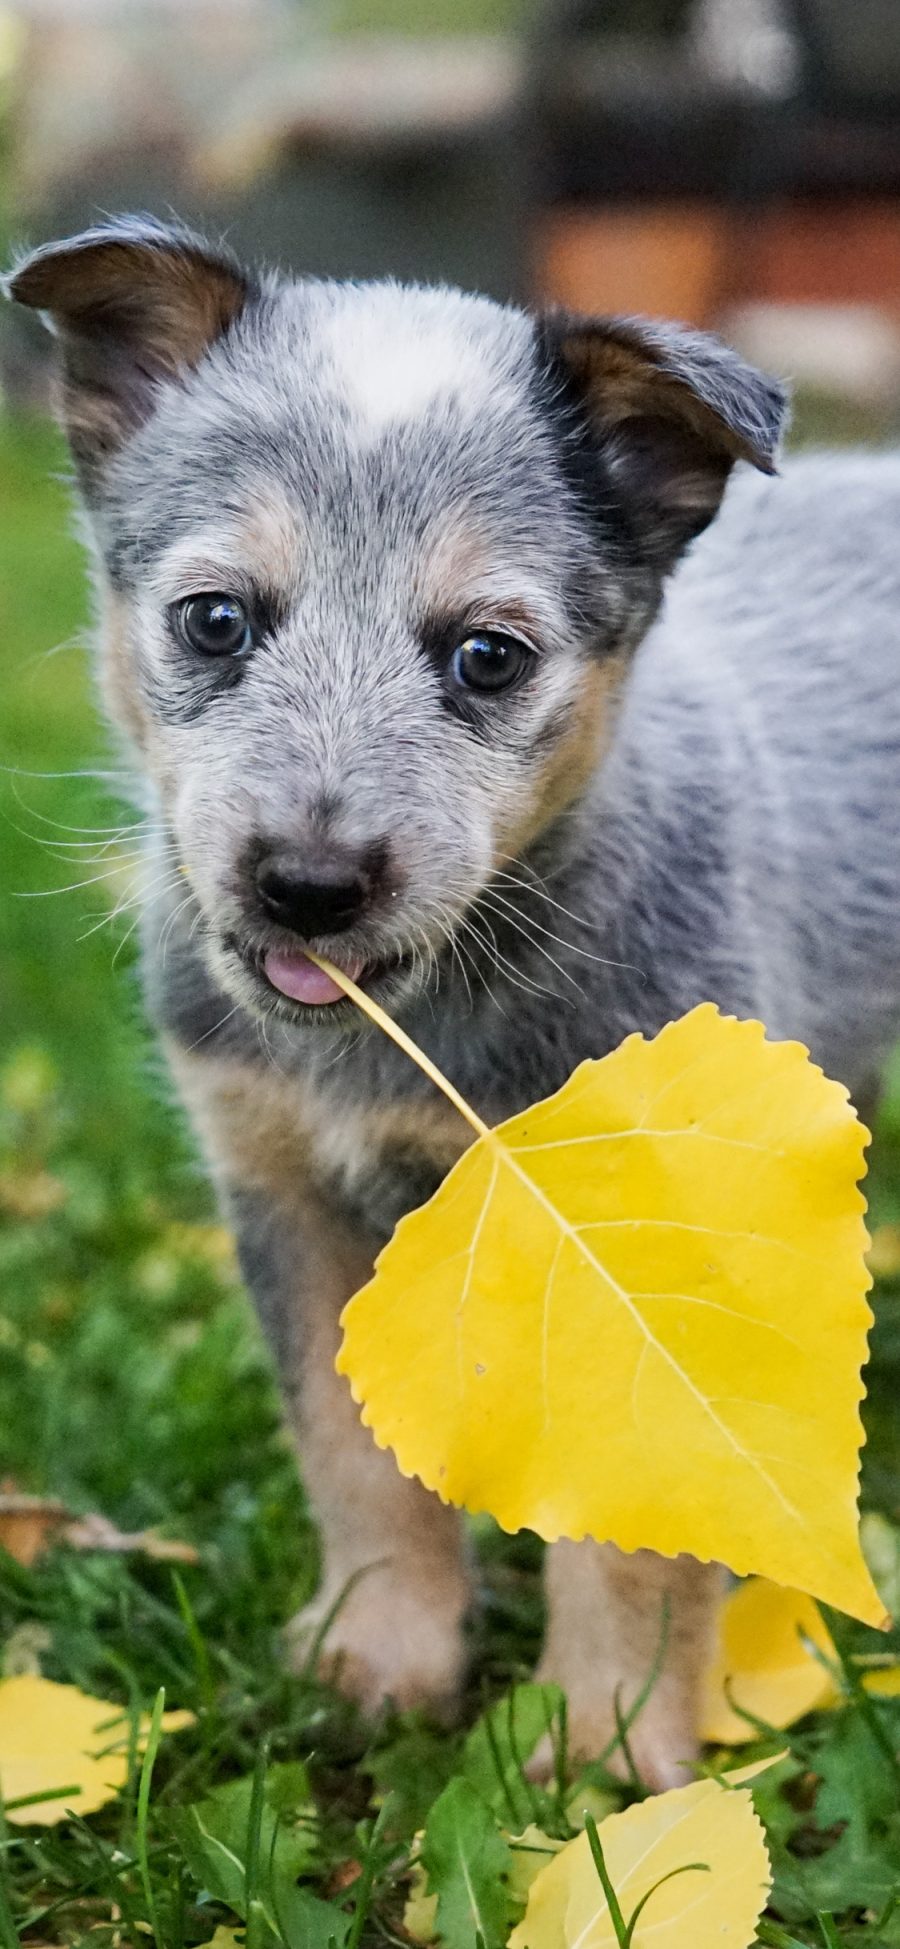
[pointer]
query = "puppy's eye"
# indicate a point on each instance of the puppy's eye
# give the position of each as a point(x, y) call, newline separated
point(215, 625)
point(489, 661)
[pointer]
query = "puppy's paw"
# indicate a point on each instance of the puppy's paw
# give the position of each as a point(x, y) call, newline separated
point(389, 1641)
point(662, 1740)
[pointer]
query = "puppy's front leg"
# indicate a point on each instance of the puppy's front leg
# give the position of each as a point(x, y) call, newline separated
point(394, 1571)
point(609, 1614)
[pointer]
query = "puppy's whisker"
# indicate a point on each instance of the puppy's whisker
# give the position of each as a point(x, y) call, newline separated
point(216, 1026)
point(573, 947)
point(165, 882)
point(85, 771)
point(452, 926)
point(447, 932)
point(479, 907)
point(262, 1030)
point(142, 838)
point(165, 932)
point(522, 927)
point(77, 886)
point(537, 887)
point(103, 836)
point(499, 961)
point(123, 943)
point(581, 920)
point(539, 883)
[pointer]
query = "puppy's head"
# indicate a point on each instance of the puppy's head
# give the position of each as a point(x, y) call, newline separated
point(373, 560)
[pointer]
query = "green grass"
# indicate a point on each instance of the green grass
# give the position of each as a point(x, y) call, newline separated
point(133, 1381)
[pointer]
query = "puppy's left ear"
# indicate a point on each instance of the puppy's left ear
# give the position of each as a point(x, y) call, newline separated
point(669, 411)
point(133, 305)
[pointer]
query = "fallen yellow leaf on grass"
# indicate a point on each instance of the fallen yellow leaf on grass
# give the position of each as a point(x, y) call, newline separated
point(764, 1664)
point(54, 1736)
point(715, 1904)
point(638, 1311)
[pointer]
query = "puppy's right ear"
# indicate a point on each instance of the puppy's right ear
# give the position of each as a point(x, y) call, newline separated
point(133, 303)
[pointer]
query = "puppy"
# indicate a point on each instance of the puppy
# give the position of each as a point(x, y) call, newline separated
point(406, 622)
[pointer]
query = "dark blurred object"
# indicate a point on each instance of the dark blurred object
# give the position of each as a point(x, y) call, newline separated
point(695, 155)
point(335, 154)
point(384, 154)
point(354, 153)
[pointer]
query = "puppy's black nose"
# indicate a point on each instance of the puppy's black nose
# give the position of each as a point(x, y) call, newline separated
point(311, 897)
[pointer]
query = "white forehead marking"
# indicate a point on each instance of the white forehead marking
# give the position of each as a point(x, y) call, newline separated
point(391, 360)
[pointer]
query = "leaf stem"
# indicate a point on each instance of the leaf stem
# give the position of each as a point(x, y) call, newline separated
point(403, 1041)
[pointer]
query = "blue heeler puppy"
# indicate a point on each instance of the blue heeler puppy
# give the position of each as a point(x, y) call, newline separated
point(391, 629)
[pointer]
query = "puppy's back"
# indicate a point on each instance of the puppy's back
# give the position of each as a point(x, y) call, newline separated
point(778, 653)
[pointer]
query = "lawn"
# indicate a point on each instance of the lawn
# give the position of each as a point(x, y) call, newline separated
point(133, 1382)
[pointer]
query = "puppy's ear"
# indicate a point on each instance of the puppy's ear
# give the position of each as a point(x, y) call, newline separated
point(669, 412)
point(133, 303)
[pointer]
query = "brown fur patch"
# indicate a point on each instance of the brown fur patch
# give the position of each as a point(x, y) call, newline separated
point(459, 581)
point(250, 1122)
point(453, 557)
point(572, 758)
point(187, 296)
point(275, 1135)
point(120, 692)
point(268, 540)
point(624, 378)
point(128, 310)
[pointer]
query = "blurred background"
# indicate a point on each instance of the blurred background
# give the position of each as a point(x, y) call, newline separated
point(734, 163)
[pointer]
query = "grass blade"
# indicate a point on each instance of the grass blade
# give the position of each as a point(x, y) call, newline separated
point(616, 1917)
point(143, 1810)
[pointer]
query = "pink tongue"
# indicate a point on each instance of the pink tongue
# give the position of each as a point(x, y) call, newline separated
point(295, 975)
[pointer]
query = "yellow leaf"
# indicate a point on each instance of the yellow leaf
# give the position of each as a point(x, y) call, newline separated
point(54, 1736)
point(420, 1910)
point(740, 1776)
point(763, 1662)
point(884, 1252)
point(531, 1850)
point(883, 1684)
point(717, 1909)
point(637, 1312)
